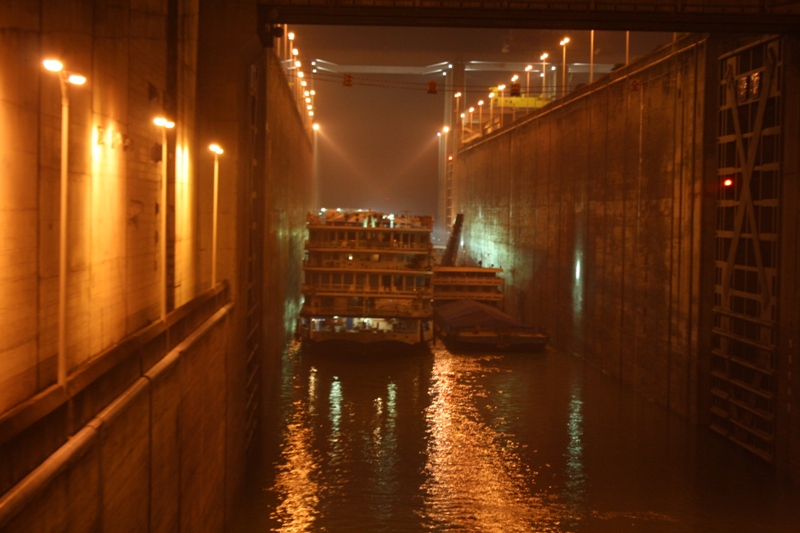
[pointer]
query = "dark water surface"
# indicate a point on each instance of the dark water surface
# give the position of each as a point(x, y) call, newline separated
point(434, 441)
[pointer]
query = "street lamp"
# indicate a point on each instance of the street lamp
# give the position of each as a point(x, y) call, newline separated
point(527, 86)
point(502, 88)
point(64, 78)
point(458, 107)
point(514, 79)
point(463, 125)
point(471, 111)
point(480, 116)
point(544, 57)
point(563, 44)
point(315, 127)
point(165, 125)
point(217, 151)
point(491, 111)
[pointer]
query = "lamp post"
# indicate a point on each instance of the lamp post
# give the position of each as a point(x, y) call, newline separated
point(315, 128)
point(457, 96)
point(64, 78)
point(463, 125)
point(502, 88)
point(480, 116)
point(544, 57)
point(491, 111)
point(471, 111)
point(627, 47)
point(591, 57)
point(563, 44)
point(289, 49)
point(527, 87)
point(217, 151)
point(514, 79)
point(164, 124)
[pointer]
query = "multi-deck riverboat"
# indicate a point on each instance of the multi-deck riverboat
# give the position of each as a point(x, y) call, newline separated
point(367, 278)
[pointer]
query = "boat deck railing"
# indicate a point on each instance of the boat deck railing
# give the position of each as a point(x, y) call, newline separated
point(362, 289)
point(386, 311)
point(368, 267)
point(468, 295)
point(346, 245)
point(485, 282)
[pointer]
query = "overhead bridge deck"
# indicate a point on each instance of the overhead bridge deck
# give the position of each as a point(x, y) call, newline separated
point(752, 16)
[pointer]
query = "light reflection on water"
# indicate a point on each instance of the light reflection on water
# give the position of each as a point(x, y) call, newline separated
point(433, 441)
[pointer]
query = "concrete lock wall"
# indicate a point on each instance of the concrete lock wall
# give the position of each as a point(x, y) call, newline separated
point(602, 210)
point(594, 209)
point(149, 429)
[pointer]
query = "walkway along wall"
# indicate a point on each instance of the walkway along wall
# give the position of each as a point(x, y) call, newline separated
point(150, 427)
point(602, 210)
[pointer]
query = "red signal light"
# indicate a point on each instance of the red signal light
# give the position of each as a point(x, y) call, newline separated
point(728, 182)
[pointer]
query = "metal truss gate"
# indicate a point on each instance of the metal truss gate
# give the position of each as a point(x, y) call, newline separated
point(744, 355)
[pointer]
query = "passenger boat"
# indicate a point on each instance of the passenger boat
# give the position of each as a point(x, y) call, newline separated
point(367, 278)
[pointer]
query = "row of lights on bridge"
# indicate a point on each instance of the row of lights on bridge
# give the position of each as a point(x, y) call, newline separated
point(293, 65)
point(515, 90)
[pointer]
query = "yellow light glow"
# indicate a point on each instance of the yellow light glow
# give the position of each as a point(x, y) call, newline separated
point(480, 102)
point(310, 113)
point(471, 109)
point(53, 65)
point(309, 107)
point(306, 93)
point(300, 74)
point(457, 95)
point(298, 64)
point(291, 36)
point(501, 87)
point(295, 52)
point(313, 92)
point(76, 79)
point(303, 83)
point(315, 127)
point(164, 123)
point(446, 129)
point(216, 149)
point(544, 56)
point(564, 41)
point(514, 78)
point(528, 68)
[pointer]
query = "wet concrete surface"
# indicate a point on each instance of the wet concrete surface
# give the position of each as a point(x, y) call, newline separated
point(429, 440)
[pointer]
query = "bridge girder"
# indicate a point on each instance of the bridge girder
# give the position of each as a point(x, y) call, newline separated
point(744, 16)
